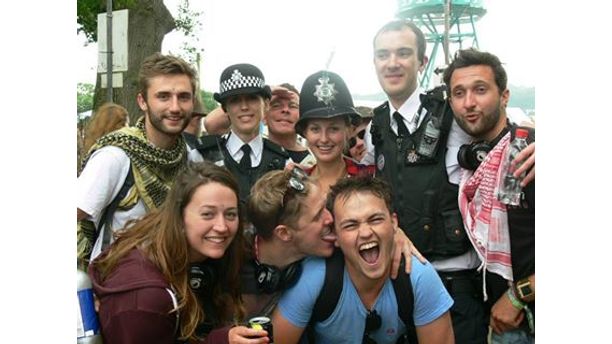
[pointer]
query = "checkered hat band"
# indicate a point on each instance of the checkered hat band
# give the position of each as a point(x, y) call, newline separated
point(243, 82)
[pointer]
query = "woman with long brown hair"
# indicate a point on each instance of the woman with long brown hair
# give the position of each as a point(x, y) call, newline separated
point(143, 279)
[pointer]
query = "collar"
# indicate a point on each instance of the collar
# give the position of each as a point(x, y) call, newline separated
point(409, 109)
point(234, 143)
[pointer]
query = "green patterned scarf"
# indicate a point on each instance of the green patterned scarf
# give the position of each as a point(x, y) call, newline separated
point(154, 169)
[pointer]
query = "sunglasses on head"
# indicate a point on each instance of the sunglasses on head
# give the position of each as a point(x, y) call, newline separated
point(373, 323)
point(353, 140)
point(295, 184)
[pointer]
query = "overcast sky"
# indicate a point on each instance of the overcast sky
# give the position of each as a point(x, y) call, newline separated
point(289, 40)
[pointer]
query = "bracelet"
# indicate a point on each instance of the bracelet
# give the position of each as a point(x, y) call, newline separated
point(516, 303)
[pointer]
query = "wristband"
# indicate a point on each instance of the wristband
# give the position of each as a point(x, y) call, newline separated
point(516, 303)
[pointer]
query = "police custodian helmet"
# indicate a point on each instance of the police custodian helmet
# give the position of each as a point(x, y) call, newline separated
point(241, 78)
point(324, 95)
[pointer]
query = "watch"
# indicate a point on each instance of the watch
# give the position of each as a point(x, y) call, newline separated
point(524, 290)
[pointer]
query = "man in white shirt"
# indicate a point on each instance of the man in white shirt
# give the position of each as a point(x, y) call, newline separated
point(151, 154)
point(426, 184)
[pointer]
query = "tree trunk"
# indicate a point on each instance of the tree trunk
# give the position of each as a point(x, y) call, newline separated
point(148, 22)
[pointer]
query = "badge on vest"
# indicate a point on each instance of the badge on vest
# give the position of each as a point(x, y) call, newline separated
point(411, 156)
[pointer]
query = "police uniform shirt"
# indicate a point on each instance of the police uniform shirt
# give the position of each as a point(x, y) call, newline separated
point(456, 138)
point(408, 110)
point(234, 145)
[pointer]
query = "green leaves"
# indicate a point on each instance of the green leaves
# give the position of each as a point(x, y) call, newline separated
point(85, 93)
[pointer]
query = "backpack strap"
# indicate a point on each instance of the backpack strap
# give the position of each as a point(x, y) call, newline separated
point(107, 216)
point(332, 287)
point(405, 304)
point(330, 293)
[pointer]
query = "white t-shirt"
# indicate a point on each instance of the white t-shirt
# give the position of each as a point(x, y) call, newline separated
point(100, 182)
point(97, 186)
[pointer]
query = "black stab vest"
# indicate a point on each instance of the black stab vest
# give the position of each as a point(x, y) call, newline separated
point(424, 200)
point(274, 157)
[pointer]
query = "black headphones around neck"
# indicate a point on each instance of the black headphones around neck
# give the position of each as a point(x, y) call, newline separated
point(202, 277)
point(271, 279)
point(471, 155)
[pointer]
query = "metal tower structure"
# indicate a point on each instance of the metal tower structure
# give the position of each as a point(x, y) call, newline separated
point(446, 23)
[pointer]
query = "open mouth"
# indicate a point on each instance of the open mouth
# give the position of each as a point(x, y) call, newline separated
point(369, 252)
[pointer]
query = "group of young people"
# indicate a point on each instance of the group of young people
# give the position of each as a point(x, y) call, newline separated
point(198, 241)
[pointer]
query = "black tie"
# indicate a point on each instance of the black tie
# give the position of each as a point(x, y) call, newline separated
point(245, 162)
point(401, 127)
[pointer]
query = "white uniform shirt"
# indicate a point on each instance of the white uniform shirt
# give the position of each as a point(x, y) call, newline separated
point(234, 143)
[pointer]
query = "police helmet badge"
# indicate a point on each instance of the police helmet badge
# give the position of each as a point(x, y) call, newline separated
point(325, 91)
point(236, 75)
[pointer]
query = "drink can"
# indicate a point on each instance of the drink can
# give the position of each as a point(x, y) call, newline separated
point(262, 323)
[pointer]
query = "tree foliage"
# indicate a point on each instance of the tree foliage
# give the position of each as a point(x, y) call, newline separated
point(85, 93)
point(209, 102)
point(148, 22)
point(188, 22)
point(87, 15)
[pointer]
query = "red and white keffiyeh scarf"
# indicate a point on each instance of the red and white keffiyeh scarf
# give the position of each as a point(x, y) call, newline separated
point(484, 217)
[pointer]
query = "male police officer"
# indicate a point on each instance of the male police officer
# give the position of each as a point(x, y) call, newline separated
point(413, 141)
point(245, 97)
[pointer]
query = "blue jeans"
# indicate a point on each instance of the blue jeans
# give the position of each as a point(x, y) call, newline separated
point(512, 337)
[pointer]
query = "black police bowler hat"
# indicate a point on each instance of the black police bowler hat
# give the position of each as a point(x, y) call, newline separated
point(324, 95)
point(241, 78)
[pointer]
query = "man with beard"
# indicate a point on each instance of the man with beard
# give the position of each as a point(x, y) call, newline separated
point(413, 141)
point(142, 160)
point(503, 236)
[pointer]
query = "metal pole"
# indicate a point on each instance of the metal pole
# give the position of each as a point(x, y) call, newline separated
point(109, 50)
point(446, 29)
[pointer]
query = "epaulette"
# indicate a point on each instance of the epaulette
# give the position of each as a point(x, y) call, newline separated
point(380, 112)
point(276, 148)
point(382, 108)
point(206, 142)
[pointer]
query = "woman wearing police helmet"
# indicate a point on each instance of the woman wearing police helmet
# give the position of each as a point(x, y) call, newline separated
point(326, 111)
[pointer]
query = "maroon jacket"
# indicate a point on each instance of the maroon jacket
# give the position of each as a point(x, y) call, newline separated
point(135, 304)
